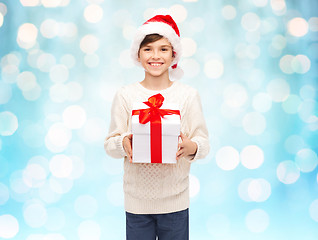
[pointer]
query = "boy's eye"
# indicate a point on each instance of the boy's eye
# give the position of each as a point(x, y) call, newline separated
point(146, 49)
point(164, 49)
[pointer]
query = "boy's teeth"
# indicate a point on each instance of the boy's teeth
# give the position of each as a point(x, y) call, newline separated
point(155, 64)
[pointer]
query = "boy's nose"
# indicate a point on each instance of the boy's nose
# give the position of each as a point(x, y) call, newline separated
point(155, 54)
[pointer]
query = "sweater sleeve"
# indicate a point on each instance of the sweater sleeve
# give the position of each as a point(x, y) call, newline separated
point(198, 131)
point(118, 128)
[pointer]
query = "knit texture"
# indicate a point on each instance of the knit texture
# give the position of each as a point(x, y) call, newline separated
point(153, 188)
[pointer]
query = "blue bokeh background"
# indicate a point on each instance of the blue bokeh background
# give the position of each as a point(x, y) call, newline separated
point(255, 65)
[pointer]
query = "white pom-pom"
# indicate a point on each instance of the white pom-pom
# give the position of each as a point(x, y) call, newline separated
point(176, 73)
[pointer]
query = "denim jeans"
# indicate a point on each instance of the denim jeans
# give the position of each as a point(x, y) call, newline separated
point(168, 226)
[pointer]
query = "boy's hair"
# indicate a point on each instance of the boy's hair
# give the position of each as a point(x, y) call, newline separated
point(150, 38)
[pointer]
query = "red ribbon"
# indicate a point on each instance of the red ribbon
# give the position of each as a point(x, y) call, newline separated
point(154, 115)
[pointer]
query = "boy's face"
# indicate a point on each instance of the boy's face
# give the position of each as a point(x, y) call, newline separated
point(156, 57)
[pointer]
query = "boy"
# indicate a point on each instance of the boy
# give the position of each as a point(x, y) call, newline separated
point(156, 194)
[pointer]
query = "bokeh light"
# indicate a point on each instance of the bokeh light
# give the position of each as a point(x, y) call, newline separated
point(250, 21)
point(89, 44)
point(278, 6)
point(260, 3)
point(9, 226)
point(3, 9)
point(254, 190)
point(288, 172)
point(301, 64)
point(252, 157)
point(27, 35)
point(306, 159)
point(61, 166)
point(30, 3)
point(214, 68)
point(227, 158)
point(49, 28)
point(8, 123)
point(254, 123)
point(189, 47)
point(93, 13)
point(259, 190)
point(229, 12)
point(178, 12)
point(74, 117)
point(58, 137)
point(34, 175)
point(235, 95)
point(35, 215)
point(254, 64)
point(45, 61)
point(278, 89)
point(298, 27)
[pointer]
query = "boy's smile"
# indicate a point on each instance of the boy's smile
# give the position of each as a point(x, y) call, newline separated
point(155, 64)
point(156, 57)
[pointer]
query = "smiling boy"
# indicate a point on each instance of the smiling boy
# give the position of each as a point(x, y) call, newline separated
point(156, 194)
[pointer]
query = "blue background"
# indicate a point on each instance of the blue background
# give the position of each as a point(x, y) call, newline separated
point(255, 65)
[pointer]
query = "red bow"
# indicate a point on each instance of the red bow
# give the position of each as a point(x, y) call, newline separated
point(154, 115)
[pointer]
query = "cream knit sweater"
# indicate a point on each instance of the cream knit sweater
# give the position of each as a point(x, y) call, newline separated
point(152, 188)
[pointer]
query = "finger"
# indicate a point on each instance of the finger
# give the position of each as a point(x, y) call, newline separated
point(129, 154)
point(179, 153)
point(128, 148)
point(180, 156)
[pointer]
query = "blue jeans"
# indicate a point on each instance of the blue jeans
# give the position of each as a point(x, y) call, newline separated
point(168, 226)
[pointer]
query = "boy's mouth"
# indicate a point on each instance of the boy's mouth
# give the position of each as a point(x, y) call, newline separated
point(155, 64)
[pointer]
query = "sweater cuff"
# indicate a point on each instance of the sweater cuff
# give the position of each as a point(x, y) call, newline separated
point(119, 143)
point(197, 154)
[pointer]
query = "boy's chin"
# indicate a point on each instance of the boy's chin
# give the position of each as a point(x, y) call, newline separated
point(156, 73)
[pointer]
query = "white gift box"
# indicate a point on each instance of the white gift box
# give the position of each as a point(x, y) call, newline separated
point(141, 140)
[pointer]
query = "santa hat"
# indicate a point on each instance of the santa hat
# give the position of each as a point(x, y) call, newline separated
point(165, 26)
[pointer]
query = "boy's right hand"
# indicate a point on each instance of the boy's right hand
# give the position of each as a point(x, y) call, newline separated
point(127, 144)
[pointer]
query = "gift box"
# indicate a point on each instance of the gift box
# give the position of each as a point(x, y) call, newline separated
point(156, 130)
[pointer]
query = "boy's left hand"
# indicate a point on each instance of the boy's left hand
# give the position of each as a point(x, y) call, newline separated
point(186, 147)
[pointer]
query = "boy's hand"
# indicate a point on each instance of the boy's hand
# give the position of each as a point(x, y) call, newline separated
point(186, 147)
point(127, 142)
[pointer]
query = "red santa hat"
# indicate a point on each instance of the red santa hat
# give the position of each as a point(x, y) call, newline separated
point(165, 26)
